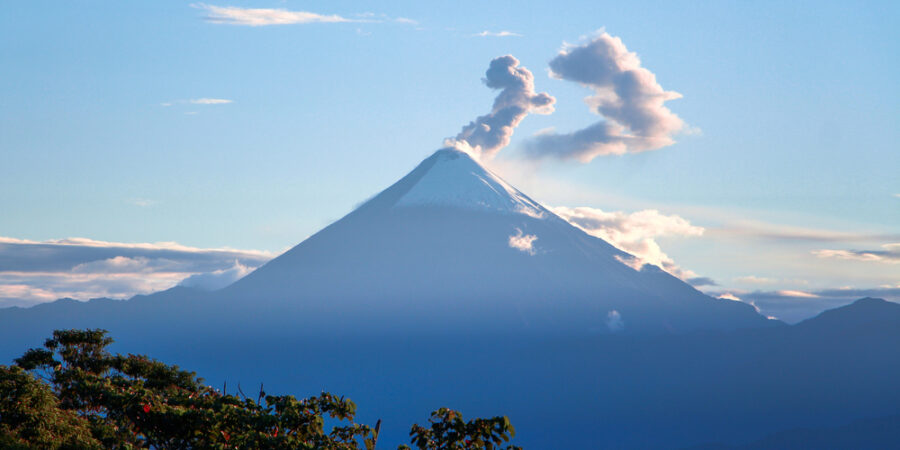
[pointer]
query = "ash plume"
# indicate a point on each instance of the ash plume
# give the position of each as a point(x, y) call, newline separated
point(487, 134)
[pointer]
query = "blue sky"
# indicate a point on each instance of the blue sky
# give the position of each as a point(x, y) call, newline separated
point(792, 107)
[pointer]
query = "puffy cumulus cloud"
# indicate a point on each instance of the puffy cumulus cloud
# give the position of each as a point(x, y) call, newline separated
point(256, 17)
point(889, 254)
point(487, 134)
point(522, 242)
point(626, 94)
point(39, 271)
point(634, 233)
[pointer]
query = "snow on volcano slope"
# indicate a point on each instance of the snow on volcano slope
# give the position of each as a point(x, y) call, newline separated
point(455, 179)
point(451, 246)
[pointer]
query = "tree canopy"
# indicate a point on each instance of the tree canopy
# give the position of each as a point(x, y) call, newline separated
point(74, 394)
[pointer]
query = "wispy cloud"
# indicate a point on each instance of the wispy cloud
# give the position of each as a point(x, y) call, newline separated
point(197, 101)
point(795, 293)
point(752, 279)
point(39, 271)
point(504, 33)
point(256, 17)
point(78, 242)
point(788, 233)
point(142, 202)
point(372, 17)
point(210, 101)
point(890, 254)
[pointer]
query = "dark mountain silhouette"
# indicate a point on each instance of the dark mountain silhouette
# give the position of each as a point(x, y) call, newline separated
point(863, 313)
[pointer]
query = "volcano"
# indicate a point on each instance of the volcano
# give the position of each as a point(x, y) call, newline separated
point(451, 246)
point(451, 287)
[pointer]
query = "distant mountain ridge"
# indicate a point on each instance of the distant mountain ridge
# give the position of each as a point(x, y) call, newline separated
point(866, 311)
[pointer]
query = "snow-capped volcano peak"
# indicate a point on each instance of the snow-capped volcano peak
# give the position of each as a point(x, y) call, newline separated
point(451, 246)
point(451, 177)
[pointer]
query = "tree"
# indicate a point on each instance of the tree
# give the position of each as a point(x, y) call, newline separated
point(90, 398)
point(449, 431)
point(136, 402)
point(30, 416)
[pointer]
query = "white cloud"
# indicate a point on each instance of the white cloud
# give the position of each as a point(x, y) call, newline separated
point(27, 288)
point(634, 233)
point(790, 233)
point(142, 202)
point(116, 264)
point(26, 294)
point(632, 103)
point(890, 254)
point(522, 242)
point(210, 101)
point(504, 33)
point(631, 261)
point(371, 17)
point(793, 293)
point(255, 17)
point(39, 271)
point(197, 101)
point(162, 245)
point(217, 279)
point(752, 279)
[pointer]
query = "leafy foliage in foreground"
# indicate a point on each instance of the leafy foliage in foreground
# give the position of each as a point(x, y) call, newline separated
point(449, 431)
point(90, 398)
